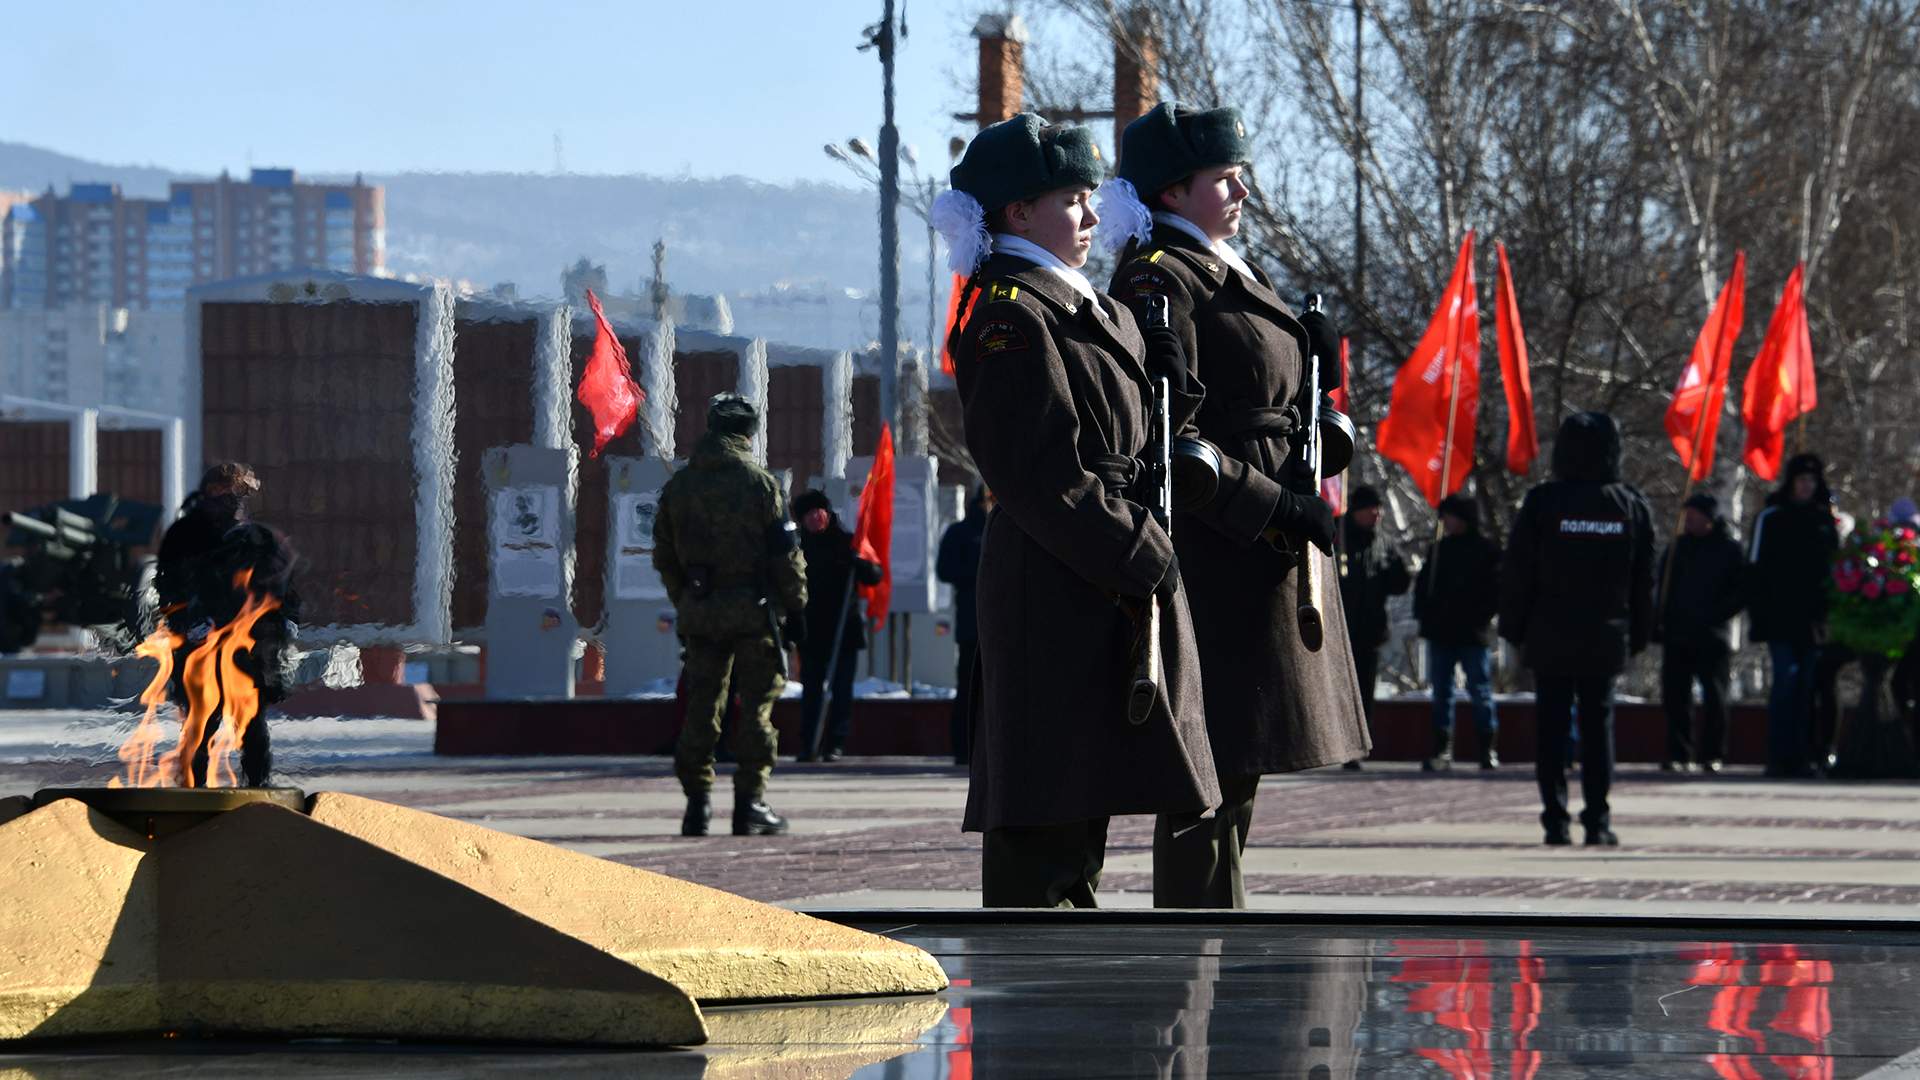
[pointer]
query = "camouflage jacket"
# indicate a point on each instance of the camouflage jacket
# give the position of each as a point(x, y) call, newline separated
point(721, 519)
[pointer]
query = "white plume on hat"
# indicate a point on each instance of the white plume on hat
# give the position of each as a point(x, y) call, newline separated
point(960, 220)
point(1123, 216)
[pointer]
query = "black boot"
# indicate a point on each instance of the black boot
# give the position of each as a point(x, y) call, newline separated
point(699, 813)
point(753, 817)
point(1442, 758)
point(1489, 751)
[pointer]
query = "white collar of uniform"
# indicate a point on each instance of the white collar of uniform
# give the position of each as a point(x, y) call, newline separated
point(1022, 248)
point(1218, 247)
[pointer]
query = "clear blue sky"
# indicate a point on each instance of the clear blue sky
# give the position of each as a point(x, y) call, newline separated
point(706, 87)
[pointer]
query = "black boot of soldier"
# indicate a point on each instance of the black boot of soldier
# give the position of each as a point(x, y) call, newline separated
point(753, 817)
point(699, 813)
point(1489, 753)
point(1442, 758)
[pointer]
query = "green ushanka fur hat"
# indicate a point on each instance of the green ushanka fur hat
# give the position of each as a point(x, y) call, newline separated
point(1015, 159)
point(1172, 142)
point(1010, 161)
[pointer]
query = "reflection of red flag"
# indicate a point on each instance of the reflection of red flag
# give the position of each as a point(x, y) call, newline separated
point(1444, 367)
point(606, 386)
point(1523, 442)
point(1333, 489)
point(1693, 420)
point(873, 528)
point(954, 317)
point(1780, 383)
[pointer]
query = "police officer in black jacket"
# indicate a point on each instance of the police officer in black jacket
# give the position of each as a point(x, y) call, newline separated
point(1704, 590)
point(1577, 598)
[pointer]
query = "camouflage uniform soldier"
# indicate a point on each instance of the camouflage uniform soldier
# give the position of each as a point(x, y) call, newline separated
point(730, 558)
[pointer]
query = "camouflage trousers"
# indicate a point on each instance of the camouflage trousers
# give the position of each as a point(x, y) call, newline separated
point(755, 671)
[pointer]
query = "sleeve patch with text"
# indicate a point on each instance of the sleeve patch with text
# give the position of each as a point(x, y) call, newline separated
point(999, 336)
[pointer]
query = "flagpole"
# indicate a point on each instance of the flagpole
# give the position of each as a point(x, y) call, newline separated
point(1686, 491)
point(1446, 447)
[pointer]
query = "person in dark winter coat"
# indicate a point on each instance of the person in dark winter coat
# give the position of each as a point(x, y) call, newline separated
point(1791, 558)
point(201, 555)
point(1455, 600)
point(1704, 590)
point(1371, 571)
point(1576, 595)
point(1273, 704)
point(1053, 380)
point(832, 617)
point(958, 564)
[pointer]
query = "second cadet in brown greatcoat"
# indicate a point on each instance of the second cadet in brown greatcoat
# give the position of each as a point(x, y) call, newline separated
point(1273, 704)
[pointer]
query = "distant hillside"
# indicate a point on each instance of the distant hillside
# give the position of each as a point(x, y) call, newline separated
point(730, 235)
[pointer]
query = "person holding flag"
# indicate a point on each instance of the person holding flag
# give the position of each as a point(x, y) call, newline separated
point(836, 632)
point(1275, 701)
point(1076, 572)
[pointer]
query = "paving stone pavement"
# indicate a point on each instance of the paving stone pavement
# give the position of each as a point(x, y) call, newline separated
point(885, 832)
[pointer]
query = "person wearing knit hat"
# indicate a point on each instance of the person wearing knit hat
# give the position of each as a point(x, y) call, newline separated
point(1372, 571)
point(1455, 601)
point(1698, 601)
point(1274, 704)
point(1055, 394)
point(1791, 552)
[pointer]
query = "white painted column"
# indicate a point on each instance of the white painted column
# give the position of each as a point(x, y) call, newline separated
point(836, 414)
point(173, 468)
point(83, 453)
point(754, 378)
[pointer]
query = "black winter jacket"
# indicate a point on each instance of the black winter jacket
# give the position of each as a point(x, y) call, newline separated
point(1791, 561)
point(958, 564)
point(1458, 593)
point(1704, 591)
point(830, 560)
point(1577, 591)
point(1370, 571)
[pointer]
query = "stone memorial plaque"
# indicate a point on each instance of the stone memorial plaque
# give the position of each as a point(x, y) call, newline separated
point(526, 541)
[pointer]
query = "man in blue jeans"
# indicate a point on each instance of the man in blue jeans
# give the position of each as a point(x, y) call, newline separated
point(1455, 601)
point(1793, 543)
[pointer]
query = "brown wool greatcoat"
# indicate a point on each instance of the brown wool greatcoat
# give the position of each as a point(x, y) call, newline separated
point(1050, 386)
point(1272, 706)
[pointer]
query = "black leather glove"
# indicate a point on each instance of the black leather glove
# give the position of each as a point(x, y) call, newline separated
point(1306, 516)
point(1165, 356)
point(1169, 584)
point(794, 628)
point(1323, 341)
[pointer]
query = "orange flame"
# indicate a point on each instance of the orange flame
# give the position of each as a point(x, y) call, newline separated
point(214, 682)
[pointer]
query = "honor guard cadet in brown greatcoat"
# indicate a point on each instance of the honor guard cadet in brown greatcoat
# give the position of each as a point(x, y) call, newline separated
point(1274, 704)
point(730, 559)
point(1073, 565)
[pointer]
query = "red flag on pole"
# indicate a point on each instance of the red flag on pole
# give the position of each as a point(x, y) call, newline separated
point(1333, 489)
point(1693, 420)
point(1779, 385)
point(606, 385)
point(1523, 442)
point(873, 528)
point(1429, 424)
point(955, 317)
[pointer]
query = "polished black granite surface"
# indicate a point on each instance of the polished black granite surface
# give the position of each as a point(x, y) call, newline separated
point(1123, 995)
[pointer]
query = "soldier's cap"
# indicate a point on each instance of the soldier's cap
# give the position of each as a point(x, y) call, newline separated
point(1025, 156)
point(731, 414)
point(1172, 142)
